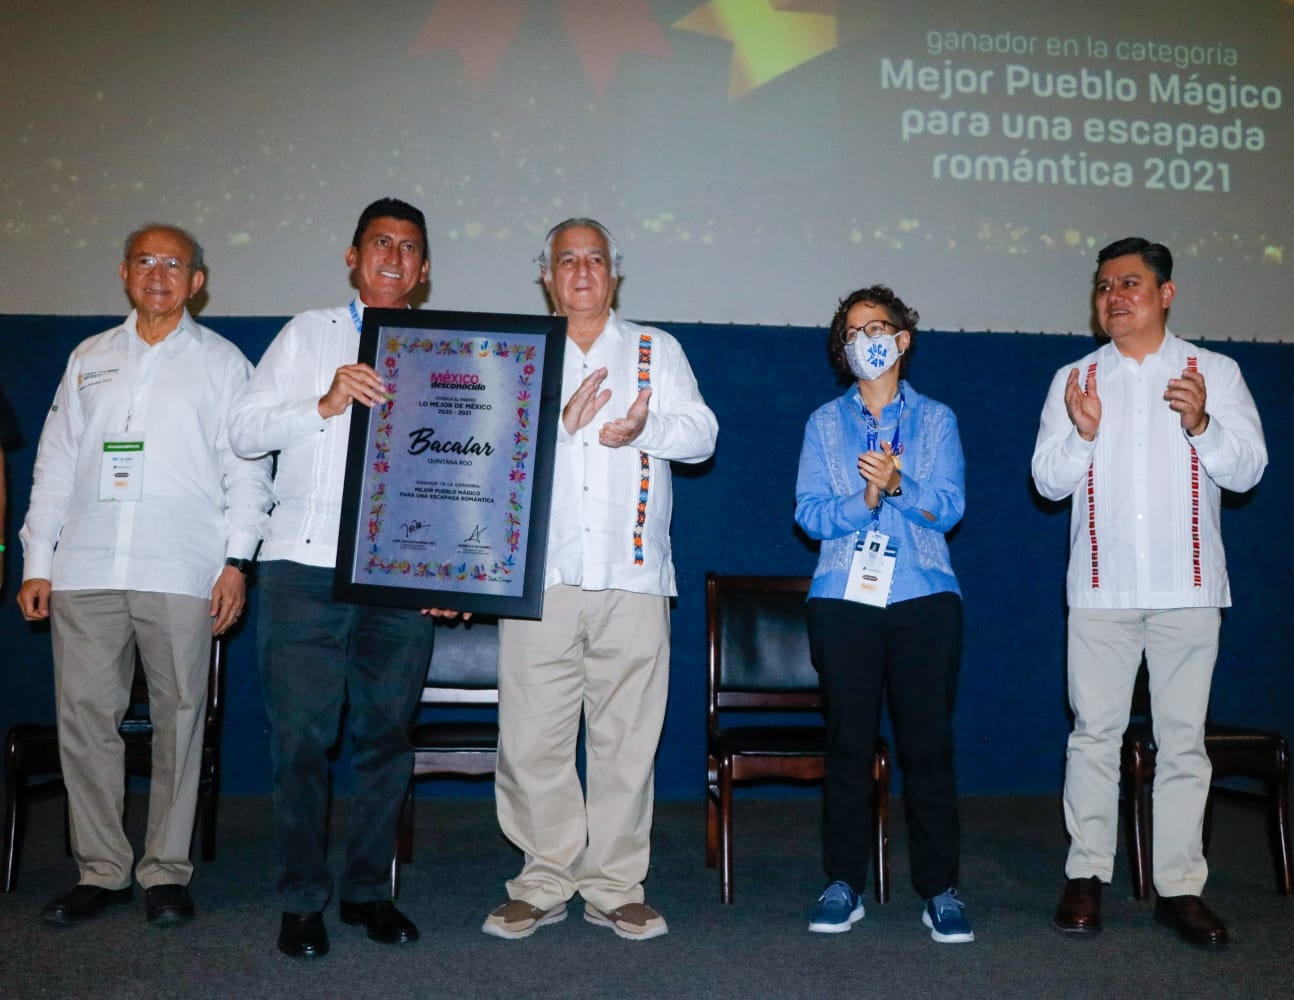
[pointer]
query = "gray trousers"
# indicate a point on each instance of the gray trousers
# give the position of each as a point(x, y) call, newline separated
point(95, 634)
point(1105, 648)
point(604, 654)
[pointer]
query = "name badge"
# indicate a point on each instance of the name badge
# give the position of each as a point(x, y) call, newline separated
point(871, 572)
point(121, 472)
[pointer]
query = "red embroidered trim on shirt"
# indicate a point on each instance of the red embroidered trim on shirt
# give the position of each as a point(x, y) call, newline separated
point(1091, 505)
point(1193, 364)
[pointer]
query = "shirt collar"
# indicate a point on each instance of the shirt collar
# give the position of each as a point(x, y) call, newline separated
point(856, 398)
point(1170, 354)
point(613, 332)
point(130, 327)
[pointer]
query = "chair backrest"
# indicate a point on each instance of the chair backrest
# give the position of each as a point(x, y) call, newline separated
point(758, 644)
point(464, 666)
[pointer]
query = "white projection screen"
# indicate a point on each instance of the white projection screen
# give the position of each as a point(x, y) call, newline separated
point(757, 159)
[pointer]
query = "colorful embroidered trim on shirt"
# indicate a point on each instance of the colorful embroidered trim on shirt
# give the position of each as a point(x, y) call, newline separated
point(644, 483)
point(1091, 504)
point(1193, 364)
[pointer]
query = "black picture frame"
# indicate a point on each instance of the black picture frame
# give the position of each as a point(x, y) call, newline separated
point(467, 437)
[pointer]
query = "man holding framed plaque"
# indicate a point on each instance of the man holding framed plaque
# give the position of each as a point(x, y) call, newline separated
point(318, 655)
point(630, 406)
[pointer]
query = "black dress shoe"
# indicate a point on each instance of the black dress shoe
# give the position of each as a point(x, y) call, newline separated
point(382, 921)
point(303, 935)
point(1193, 921)
point(1079, 911)
point(168, 904)
point(82, 903)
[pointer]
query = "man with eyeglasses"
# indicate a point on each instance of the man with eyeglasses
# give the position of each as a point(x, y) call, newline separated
point(631, 406)
point(141, 526)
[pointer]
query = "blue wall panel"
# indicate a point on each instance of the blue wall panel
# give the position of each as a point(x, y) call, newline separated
point(734, 514)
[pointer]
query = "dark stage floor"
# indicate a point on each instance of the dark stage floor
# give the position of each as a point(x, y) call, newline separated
point(1012, 874)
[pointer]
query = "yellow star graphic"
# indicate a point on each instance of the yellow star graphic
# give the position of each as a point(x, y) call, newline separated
point(766, 42)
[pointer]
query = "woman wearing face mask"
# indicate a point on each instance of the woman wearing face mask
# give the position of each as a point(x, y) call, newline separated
point(881, 481)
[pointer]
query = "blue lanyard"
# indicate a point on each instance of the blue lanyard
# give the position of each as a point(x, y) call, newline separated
point(354, 315)
point(874, 430)
point(873, 440)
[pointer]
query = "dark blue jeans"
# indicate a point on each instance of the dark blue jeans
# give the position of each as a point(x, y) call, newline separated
point(318, 657)
point(911, 651)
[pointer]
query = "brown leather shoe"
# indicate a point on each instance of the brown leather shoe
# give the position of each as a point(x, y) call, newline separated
point(1193, 921)
point(1079, 911)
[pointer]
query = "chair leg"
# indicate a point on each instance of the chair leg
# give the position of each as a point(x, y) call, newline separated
point(1278, 821)
point(13, 829)
point(881, 808)
point(1141, 769)
point(403, 851)
point(711, 828)
point(208, 796)
point(404, 829)
point(725, 831)
point(712, 817)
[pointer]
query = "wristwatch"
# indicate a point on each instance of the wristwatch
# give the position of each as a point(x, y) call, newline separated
point(896, 492)
point(243, 566)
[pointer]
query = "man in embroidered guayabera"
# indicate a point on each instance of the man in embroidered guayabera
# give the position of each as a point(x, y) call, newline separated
point(630, 407)
point(1143, 435)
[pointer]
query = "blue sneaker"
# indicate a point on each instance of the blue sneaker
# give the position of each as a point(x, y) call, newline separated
point(838, 909)
point(945, 915)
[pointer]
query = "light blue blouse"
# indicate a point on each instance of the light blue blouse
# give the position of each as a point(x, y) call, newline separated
point(829, 502)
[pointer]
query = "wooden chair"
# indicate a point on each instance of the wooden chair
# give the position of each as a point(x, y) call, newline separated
point(1234, 751)
point(461, 738)
point(32, 765)
point(758, 662)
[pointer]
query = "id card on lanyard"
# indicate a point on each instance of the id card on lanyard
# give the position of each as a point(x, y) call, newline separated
point(871, 572)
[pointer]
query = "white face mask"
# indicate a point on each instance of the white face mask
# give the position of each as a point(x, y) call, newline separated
point(871, 358)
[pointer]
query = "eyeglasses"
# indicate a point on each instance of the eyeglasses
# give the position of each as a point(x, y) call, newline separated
point(876, 328)
point(145, 262)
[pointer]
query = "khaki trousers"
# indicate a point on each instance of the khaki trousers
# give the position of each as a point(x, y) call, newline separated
point(605, 654)
point(95, 633)
point(1105, 647)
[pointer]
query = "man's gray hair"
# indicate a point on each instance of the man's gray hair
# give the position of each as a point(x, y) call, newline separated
point(195, 248)
point(543, 260)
